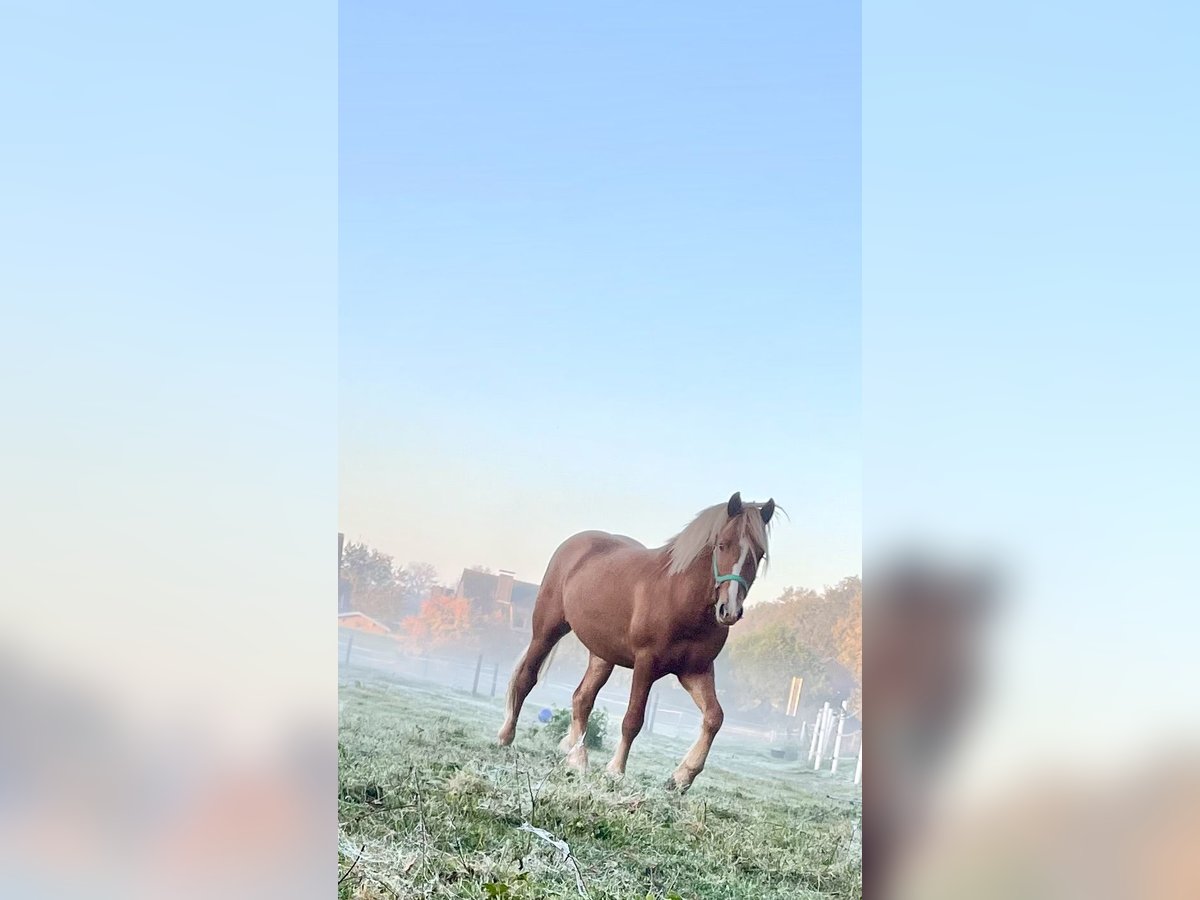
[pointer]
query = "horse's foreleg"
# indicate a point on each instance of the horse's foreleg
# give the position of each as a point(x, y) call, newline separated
point(703, 690)
point(597, 674)
point(635, 715)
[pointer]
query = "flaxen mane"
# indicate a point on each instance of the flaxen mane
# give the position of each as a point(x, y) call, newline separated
point(701, 534)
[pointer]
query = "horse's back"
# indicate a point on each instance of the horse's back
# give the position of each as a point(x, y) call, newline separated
point(580, 548)
point(603, 540)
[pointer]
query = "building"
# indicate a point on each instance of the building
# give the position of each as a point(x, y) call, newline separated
point(502, 591)
point(361, 622)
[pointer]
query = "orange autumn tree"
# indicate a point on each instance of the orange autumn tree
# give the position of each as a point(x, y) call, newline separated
point(442, 621)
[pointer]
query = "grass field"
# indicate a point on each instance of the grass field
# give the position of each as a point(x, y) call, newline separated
point(429, 806)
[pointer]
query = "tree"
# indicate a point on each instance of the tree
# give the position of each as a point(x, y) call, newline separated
point(378, 588)
point(802, 633)
point(415, 580)
point(848, 637)
point(366, 568)
point(442, 621)
point(763, 663)
point(373, 586)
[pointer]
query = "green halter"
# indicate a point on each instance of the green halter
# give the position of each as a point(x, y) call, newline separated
point(732, 576)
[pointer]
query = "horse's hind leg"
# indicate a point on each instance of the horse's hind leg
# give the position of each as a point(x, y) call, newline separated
point(548, 630)
point(597, 674)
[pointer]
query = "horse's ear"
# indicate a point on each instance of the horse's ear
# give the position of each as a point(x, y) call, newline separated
point(735, 505)
point(767, 510)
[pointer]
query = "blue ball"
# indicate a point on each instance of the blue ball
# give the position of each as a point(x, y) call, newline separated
point(545, 715)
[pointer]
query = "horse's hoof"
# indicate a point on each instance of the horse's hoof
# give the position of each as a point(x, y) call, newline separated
point(674, 784)
point(505, 737)
point(576, 763)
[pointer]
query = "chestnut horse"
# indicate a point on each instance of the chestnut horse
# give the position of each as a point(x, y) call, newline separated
point(659, 612)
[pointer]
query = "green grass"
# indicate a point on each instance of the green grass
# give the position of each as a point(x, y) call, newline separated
point(429, 806)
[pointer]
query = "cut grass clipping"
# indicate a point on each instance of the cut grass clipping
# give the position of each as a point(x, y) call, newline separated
point(430, 806)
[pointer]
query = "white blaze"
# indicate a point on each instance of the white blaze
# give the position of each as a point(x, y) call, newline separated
point(731, 594)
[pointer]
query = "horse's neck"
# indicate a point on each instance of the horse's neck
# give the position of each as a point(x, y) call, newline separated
point(696, 580)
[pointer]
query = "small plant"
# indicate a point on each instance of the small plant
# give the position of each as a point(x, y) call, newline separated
point(560, 723)
point(502, 889)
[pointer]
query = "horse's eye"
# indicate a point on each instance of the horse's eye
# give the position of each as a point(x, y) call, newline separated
point(722, 546)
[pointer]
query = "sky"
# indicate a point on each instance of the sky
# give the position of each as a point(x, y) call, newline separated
point(1030, 371)
point(168, 362)
point(599, 269)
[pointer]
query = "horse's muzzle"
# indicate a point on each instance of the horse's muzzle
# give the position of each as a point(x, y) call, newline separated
point(724, 618)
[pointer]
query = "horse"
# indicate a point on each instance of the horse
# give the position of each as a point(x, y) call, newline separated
point(664, 611)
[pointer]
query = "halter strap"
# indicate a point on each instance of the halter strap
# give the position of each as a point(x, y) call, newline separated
point(732, 576)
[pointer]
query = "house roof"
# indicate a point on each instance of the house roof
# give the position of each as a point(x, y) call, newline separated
point(482, 586)
point(355, 613)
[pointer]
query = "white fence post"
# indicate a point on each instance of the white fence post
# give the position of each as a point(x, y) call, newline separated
point(858, 768)
point(812, 750)
point(837, 744)
point(825, 714)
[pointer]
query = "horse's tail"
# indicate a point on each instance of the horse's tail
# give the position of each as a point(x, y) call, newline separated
point(545, 666)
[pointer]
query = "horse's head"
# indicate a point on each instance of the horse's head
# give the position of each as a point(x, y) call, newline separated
point(739, 550)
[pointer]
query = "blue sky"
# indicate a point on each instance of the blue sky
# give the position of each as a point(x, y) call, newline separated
point(1030, 372)
point(599, 269)
point(167, 359)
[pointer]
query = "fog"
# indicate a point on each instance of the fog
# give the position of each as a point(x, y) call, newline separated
point(462, 676)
